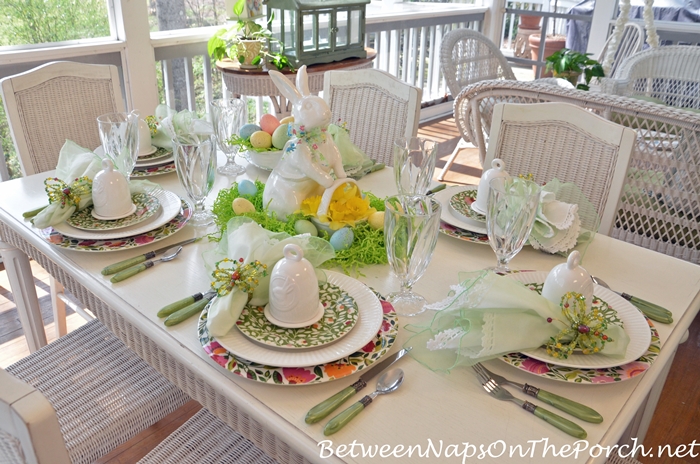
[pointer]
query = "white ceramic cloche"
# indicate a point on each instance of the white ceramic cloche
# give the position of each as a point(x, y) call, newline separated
point(294, 297)
point(111, 196)
point(498, 169)
point(568, 277)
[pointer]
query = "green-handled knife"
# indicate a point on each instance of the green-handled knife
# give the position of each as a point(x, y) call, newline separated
point(127, 263)
point(326, 407)
point(183, 303)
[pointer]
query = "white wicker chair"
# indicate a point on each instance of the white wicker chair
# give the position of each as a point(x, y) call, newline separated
point(394, 104)
point(565, 141)
point(670, 74)
point(631, 42)
point(659, 206)
point(203, 439)
point(49, 104)
point(78, 398)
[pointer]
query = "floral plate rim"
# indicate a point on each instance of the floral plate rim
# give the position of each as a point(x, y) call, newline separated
point(362, 359)
point(461, 234)
point(154, 171)
point(338, 306)
point(108, 245)
point(84, 219)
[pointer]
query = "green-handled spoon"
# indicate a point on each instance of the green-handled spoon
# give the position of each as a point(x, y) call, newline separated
point(387, 383)
point(133, 270)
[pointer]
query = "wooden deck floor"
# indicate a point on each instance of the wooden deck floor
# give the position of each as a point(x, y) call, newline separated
point(677, 417)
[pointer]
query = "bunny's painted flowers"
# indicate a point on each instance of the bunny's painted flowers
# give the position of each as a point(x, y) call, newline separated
point(346, 208)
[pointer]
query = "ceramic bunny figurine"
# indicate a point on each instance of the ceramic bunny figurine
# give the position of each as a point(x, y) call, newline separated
point(309, 155)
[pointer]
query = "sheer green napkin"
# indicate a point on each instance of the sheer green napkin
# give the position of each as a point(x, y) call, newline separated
point(355, 162)
point(486, 316)
point(75, 163)
point(247, 240)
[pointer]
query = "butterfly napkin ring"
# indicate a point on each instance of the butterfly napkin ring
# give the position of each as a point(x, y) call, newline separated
point(60, 192)
point(585, 329)
point(245, 277)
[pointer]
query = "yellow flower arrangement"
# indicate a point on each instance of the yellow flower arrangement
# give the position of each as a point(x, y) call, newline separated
point(346, 207)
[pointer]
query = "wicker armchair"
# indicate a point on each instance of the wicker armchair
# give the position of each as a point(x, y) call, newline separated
point(631, 42)
point(395, 109)
point(659, 208)
point(49, 104)
point(670, 74)
point(78, 398)
point(565, 141)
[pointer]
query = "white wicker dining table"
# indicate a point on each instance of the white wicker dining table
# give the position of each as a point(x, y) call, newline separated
point(447, 411)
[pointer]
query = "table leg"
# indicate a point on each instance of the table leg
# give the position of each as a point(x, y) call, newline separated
point(19, 272)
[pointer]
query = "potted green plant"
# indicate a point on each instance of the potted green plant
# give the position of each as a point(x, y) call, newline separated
point(569, 64)
point(246, 42)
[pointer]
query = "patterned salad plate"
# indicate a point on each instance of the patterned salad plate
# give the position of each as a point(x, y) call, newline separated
point(153, 171)
point(339, 317)
point(156, 153)
point(363, 358)
point(370, 320)
point(115, 244)
point(445, 197)
point(461, 206)
point(614, 308)
point(170, 205)
point(146, 206)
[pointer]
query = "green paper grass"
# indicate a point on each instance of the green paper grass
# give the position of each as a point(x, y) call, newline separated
point(367, 248)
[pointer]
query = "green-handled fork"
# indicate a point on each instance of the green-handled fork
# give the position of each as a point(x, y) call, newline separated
point(565, 425)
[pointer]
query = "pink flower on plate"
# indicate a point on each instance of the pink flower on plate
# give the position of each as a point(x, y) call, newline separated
point(386, 326)
point(602, 379)
point(368, 348)
point(635, 368)
point(215, 351)
point(386, 307)
point(535, 366)
point(143, 239)
point(297, 375)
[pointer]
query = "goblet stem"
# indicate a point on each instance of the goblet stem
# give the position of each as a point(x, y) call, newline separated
point(502, 266)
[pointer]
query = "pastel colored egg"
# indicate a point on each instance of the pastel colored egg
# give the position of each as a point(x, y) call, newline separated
point(247, 130)
point(280, 136)
point(287, 120)
point(241, 205)
point(302, 226)
point(261, 139)
point(269, 123)
point(246, 187)
point(376, 220)
point(342, 239)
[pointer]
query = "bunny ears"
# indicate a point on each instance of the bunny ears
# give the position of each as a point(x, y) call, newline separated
point(287, 89)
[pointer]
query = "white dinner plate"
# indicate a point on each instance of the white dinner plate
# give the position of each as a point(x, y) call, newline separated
point(633, 321)
point(169, 208)
point(364, 331)
point(447, 216)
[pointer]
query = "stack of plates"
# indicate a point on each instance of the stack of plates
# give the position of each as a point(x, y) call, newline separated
point(356, 330)
point(158, 215)
point(457, 218)
point(642, 350)
point(154, 162)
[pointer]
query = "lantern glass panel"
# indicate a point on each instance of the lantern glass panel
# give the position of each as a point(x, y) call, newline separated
point(341, 36)
point(289, 25)
point(355, 27)
point(324, 25)
point(309, 32)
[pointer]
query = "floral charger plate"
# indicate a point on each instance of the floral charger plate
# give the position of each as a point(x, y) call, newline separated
point(339, 317)
point(146, 206)
point(153, 171)
point(578, 371)
point(362, 359)
point(155, 235)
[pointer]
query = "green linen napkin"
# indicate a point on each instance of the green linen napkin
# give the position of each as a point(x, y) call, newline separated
point(246, 239)
point(487, 316)
point(355, 162)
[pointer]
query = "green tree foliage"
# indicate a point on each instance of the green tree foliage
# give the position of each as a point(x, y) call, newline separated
point(43, 21)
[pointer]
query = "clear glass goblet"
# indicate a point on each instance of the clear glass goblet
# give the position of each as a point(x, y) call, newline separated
point(196, 168)
point(411, 225)
point(119, 133)
point(510, 214)
point(228, 115)
point(414, 164)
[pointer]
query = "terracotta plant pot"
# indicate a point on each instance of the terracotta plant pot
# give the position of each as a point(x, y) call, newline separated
point(249, 49)
point(552, 44)
point(529, 22)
